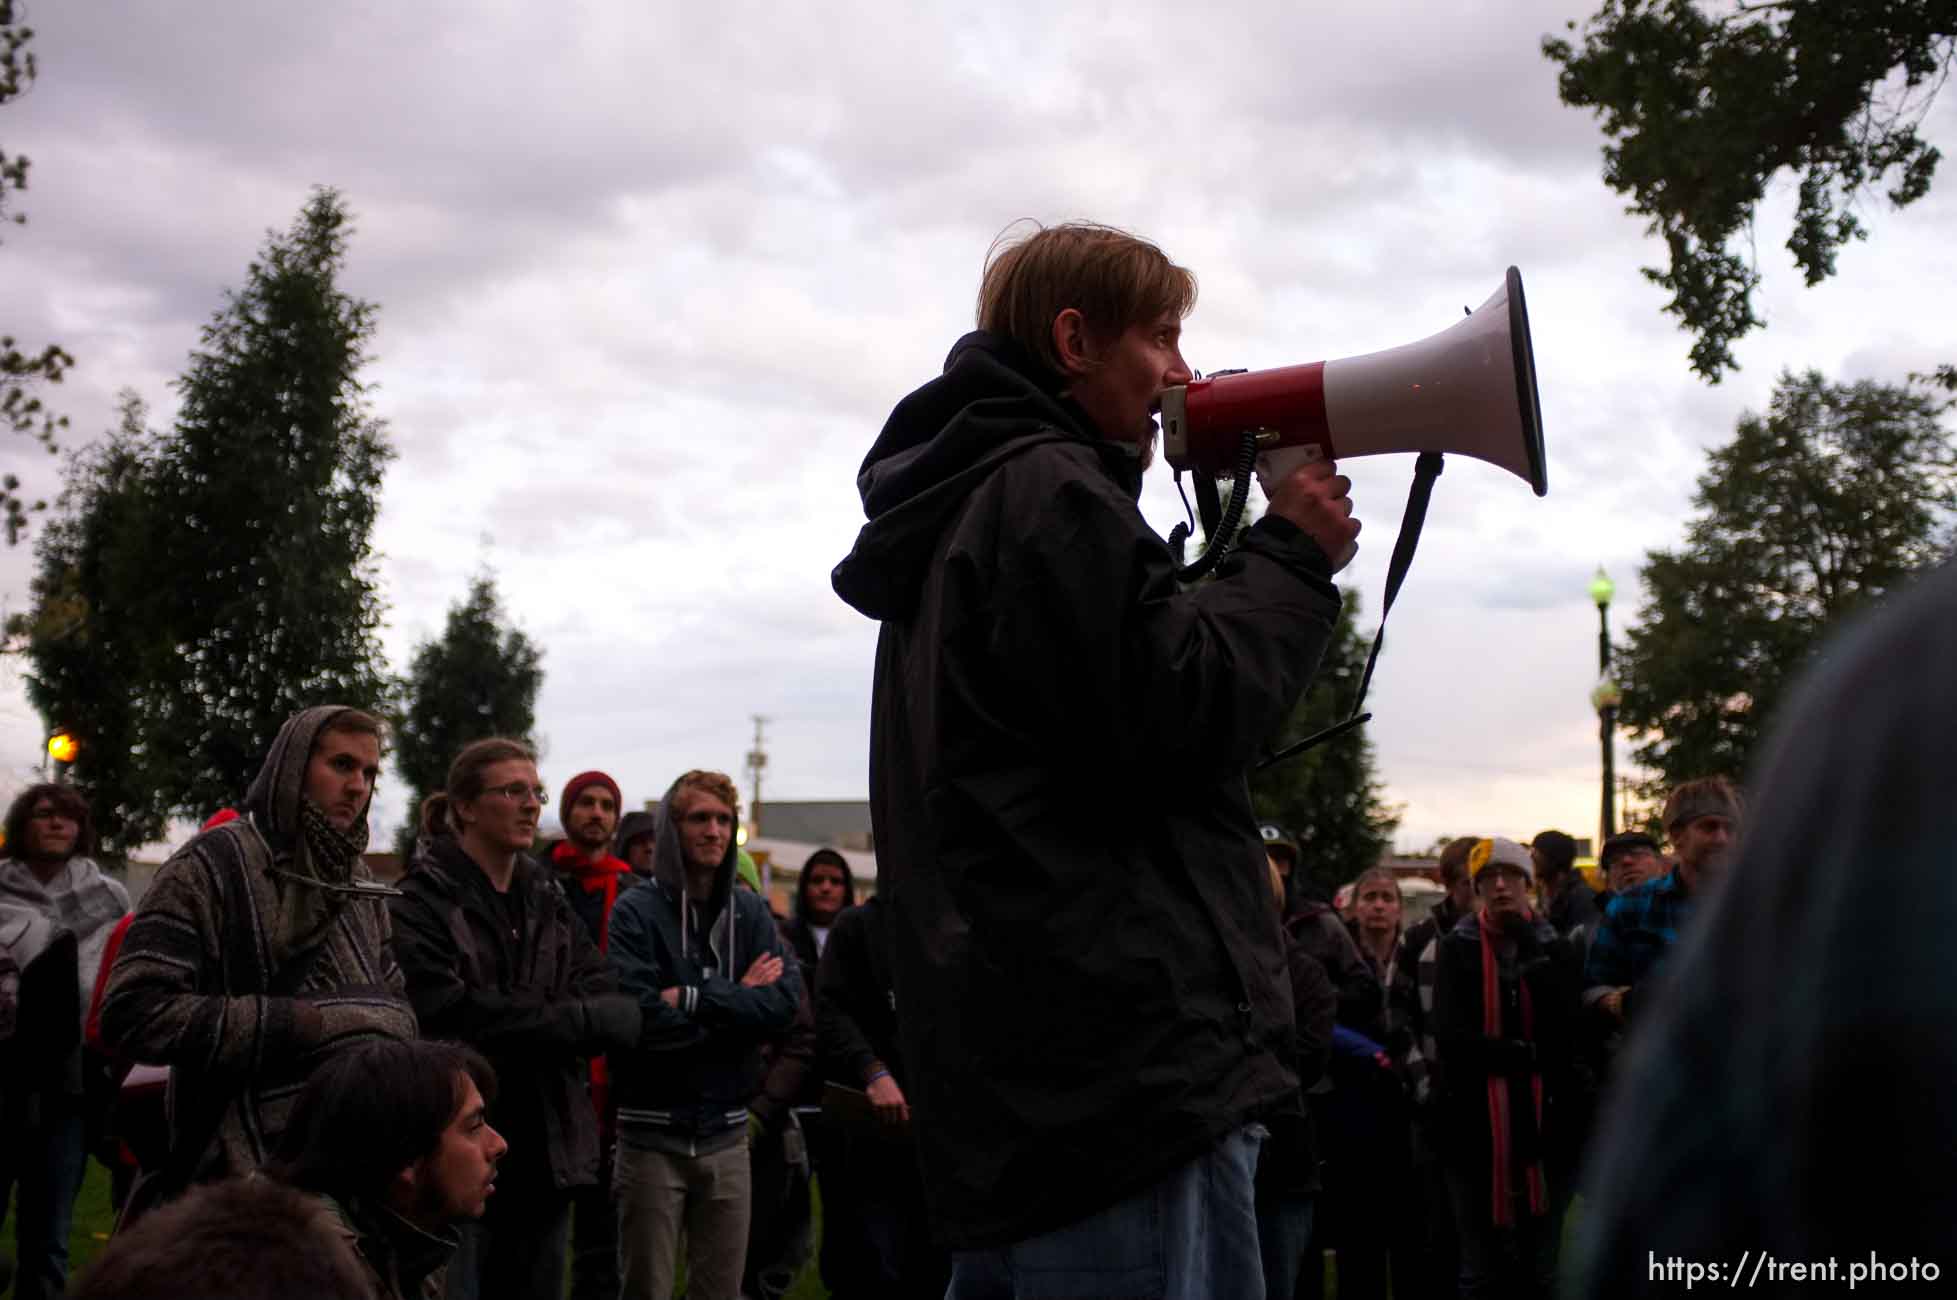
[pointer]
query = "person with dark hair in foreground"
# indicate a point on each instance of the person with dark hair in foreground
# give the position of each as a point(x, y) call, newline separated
point(395, 1140)
point(1097, 1012)
point(236, 1239)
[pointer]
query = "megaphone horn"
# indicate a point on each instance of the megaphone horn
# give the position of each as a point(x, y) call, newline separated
point(1470, 389)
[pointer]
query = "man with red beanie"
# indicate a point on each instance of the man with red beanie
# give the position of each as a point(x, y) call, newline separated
point(592, 880)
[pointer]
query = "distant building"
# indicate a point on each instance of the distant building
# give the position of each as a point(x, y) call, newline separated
point(839, 823)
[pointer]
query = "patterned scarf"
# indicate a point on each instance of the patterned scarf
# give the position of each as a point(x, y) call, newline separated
point(1503, 1189)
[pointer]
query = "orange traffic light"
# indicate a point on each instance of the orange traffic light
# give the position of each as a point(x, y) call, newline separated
point(62, 747)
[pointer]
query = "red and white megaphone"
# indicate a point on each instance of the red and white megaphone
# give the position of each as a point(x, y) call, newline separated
point(1470, 389)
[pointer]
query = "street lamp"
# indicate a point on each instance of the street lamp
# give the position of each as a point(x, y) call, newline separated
point(63, 749)
point(1605, 699)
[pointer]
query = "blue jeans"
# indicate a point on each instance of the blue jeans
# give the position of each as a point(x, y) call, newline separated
point(41, 1152)
point(1192, 1236)
point(1284, 1225)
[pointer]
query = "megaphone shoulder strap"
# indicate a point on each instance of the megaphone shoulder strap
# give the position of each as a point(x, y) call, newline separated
point(1425, 471)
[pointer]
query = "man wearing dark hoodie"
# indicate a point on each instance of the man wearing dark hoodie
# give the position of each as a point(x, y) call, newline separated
point(715, 982)
point(825, 889)
point(261, 949)
point(638, 832)
point(592, 878)
point(1099, 1010)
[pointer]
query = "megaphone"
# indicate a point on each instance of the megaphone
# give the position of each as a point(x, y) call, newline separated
point(1469, 389)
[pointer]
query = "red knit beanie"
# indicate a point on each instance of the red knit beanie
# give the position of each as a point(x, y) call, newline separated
point(575, 787)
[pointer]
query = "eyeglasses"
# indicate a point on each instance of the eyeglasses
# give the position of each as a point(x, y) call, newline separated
point(518, 791)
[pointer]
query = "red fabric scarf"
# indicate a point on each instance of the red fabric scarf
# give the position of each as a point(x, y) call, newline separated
point(600, 877)
point(1498, 1085)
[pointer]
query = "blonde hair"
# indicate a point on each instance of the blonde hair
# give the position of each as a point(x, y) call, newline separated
point(718, 784)
point(1112, 278)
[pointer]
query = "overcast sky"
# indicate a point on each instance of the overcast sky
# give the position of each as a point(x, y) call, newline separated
point(651, 276)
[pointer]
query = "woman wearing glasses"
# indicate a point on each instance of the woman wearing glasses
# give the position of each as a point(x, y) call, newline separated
point(495, 958)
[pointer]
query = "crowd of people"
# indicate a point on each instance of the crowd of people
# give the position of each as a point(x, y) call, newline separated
point(604, 1056)
point(1095, 1033)
point(1453, 1067)
point(524, 1059)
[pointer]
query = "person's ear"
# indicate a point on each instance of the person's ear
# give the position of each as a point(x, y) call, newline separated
point(405, 1187)
point(1072, 345)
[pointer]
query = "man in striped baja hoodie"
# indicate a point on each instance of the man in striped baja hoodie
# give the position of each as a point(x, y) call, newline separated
point(261, 949)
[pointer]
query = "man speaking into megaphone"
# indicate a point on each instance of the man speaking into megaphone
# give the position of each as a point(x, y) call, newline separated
point(1091, 995)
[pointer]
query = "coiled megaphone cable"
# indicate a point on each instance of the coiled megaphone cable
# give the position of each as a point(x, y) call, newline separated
point(1225, 532)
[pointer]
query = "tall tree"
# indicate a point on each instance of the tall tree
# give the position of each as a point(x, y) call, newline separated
point(91, 639)
point(1330, 797)
point(1840, 493)
point(1704, 104)
point(268, 487)
point(479, 678)
point(22, 373)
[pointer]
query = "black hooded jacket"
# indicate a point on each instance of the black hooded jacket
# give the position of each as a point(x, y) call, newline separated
point(1092, 984)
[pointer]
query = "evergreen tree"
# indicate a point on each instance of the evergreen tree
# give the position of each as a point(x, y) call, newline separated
point(90, 639)
point(479, 678)
point(266, 492)
point(1840, 494)
point(1704, 104)
point(1330, 796)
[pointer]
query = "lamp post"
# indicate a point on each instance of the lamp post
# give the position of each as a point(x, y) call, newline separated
point(1605, 699)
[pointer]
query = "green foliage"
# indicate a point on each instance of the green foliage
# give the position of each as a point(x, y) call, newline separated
point(1703, 105)
point(270, 484)
point(479, 678)
point(89, 635)
point(202, 585)
point(1839, 495)
point(1329, 797)
point(21, 373)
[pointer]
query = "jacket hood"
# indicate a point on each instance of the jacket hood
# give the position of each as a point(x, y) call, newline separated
point(631, 827)
point(993, 401)
point(272, 802)
point(830, 856)
point(669, 871)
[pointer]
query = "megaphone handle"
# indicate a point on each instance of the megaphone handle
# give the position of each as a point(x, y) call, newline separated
point(1425, 471)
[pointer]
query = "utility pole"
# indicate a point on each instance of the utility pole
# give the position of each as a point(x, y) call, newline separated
point(757, 760)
